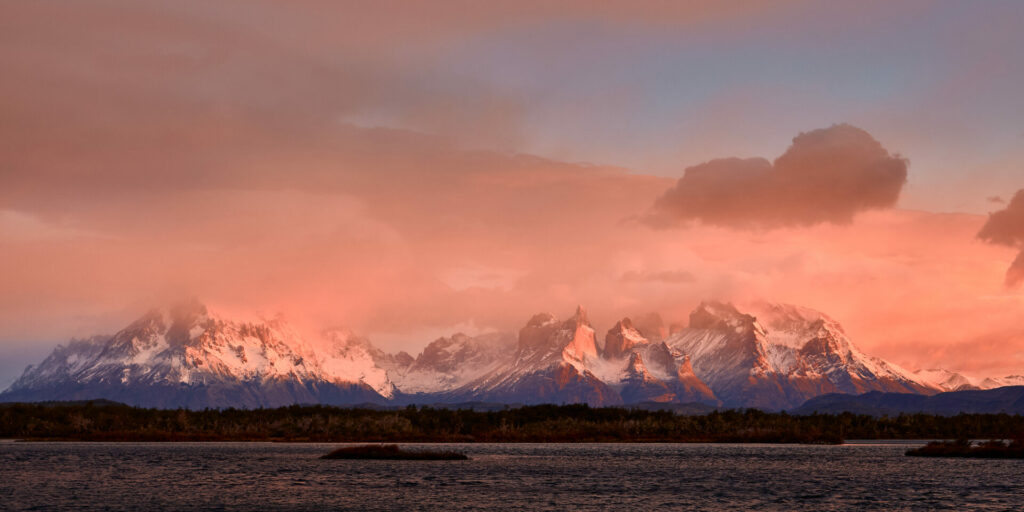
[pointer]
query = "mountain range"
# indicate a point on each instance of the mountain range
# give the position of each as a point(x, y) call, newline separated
point(772, 357)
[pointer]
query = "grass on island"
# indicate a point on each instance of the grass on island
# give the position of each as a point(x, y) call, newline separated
point(392, 452)
point(964, 448)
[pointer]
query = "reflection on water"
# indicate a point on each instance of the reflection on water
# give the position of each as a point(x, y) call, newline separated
point(247, 476)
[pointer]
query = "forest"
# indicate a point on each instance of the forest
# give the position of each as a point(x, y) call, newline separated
point(107, 421)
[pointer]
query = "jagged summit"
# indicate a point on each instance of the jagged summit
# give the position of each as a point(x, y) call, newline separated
point(559, 362)
point(451, 362)
point(184, 355)
point(541, 319)
point(722, 315)
point(543, 335)
point(770, 356)
point(549, 366)
point(581, 343)
point(621, 338)
point(781, 356)
point(581, 315)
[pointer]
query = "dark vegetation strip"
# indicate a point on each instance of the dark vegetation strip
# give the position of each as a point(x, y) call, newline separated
point(542, 423)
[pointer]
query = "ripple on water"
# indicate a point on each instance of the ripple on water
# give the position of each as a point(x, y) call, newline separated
point(239, 476)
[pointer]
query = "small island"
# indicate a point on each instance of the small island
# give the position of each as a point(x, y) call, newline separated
point(964, 448)
point(392, 452)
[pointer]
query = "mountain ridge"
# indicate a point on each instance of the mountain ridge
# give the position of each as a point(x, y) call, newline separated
point(774, 358)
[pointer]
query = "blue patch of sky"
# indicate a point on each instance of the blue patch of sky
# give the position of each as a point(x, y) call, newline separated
point(604, 91)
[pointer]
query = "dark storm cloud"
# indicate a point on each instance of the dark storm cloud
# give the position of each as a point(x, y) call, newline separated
point(1006, 227)
point(826, 175)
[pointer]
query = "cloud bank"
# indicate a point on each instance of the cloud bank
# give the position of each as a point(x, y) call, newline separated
point(199, 153)
point(1006, 227)
point(826, 176)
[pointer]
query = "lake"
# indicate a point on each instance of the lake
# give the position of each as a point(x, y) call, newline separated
point(247, 476)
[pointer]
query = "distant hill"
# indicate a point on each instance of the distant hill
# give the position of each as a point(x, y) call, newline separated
point(100, 402)
point(1009, 399)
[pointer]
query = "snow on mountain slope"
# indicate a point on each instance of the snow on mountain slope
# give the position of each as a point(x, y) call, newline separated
point(948, 380)
point(772, 357)
point(452, 362)
point(781, 357)
point(349, 358)
point(642, 371)
point(621, 339)
point(558, 361)
point(549, 366)
point(186, 356)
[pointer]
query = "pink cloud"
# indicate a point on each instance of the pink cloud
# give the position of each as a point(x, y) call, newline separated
point(199, 154)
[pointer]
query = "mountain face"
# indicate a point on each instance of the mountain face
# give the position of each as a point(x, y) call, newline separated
point(550, 365)
point(452, 362)
point(186, 357)
point(781, 357)
point(644, 371)
point(775, 357)
point(560, 362)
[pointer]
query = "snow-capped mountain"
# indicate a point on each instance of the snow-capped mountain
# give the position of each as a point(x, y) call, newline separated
point(774, 357)
point(948, 380)
point(645, 371)
point(559, 362)
point(187, 357)
point(781, 357)
point(550, 365)
point(449, 363)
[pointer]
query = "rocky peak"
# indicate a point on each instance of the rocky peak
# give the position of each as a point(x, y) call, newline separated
point(621, 338)
point(828, 347)
point(659, 355)
point(176, 325)
point(580, 318)
point(577, 337)
point(712, 315)
point(636, 369)
point(685, 369)
point(537, 332)
point(345, 343)
point(447, 354)
point(153, 320)
point(793, 325)
point(187, 312)
point(573, 338)
point(541, 320)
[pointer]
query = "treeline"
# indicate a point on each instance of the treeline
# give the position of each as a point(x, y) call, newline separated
point(543, 423)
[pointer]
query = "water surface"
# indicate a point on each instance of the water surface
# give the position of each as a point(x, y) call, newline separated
point(247, 476)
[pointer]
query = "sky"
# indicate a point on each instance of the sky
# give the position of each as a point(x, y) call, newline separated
point(412, 169)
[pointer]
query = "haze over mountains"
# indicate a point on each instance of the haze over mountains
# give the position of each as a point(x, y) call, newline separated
point(775, 357)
